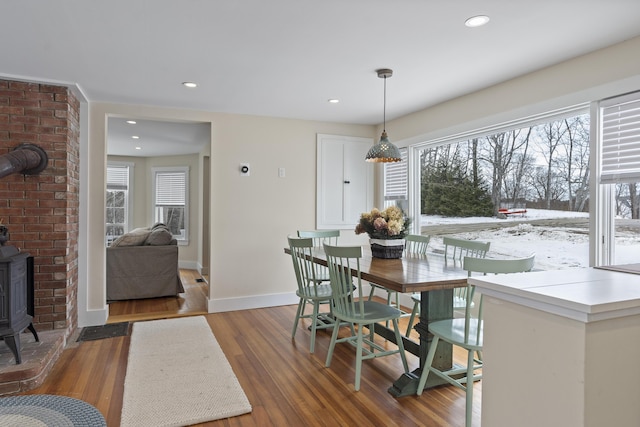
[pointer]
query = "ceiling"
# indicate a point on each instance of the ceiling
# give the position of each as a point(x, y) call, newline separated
point(287, 58)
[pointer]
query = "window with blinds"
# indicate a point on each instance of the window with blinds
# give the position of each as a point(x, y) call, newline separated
point(620, 136)
point(117, 205)
point(170, 192)
point(395, 179)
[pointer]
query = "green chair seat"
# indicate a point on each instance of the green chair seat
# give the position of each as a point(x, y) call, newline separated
point(374, 312)
point(453, 331)
point(321, 292)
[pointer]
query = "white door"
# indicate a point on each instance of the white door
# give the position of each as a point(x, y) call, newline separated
point(345, 181)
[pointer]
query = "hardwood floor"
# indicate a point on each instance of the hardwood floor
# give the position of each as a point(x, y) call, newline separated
point(193, 301)
point(285, 384)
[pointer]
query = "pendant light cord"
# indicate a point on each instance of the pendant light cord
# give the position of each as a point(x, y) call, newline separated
point(384, 107)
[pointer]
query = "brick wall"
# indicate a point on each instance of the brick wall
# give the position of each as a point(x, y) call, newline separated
point(41, 211)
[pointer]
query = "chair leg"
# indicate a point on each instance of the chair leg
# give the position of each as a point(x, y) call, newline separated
point(403, 356)
point(314, 325)
point(469, 389)
point(372, 292)
point(298, 314)
point(358, 358)
point(389, 298)
point(427, 365)
point(332, 344)
point(371, 328)
point(412, 319)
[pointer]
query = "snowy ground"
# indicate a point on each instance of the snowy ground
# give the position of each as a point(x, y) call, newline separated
point(555, 247)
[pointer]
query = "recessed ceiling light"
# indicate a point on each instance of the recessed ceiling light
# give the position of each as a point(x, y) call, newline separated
point(334, 101)
point(190, 84)
point(476, 21)
point(135, 137)
point(131, 122)
point(138, 148)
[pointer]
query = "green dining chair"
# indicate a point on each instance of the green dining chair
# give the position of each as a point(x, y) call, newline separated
point(467, 332)
point(342, 261)
point(457, 249)
point(416, 245)
point(310, 290)
point(320, 237)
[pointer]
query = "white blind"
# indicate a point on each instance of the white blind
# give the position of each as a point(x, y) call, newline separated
point(117, 177)
point(395, 178)
point(171, 188)
point(620, 118)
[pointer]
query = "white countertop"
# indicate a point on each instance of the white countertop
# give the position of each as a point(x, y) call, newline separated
point(586, 294)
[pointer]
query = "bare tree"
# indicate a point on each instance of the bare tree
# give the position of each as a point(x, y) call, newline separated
point(551, 135)
point(499, 152)
point(574, 165)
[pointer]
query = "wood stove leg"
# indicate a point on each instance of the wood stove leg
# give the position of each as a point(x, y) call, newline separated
point(33, 331)
point(13, 342)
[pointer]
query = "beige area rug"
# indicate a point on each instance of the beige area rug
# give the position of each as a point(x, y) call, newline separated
point(178, 375)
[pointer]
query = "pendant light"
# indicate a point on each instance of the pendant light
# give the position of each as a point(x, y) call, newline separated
point(384, 151)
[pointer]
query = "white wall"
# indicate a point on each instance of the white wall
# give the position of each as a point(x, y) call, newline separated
point(590, 77)
point(143, 198)
point(251, 216)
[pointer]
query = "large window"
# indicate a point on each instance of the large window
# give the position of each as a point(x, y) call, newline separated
point(171, 200)
point(523, 186)
point(118, 199)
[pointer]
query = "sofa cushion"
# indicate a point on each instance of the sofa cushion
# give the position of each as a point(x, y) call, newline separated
point(159, 236)
point(135, 237)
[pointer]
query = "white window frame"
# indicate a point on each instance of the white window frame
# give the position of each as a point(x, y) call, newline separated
point(128, 217)
point(602, 224)
point(396, 179)
point(182, 239)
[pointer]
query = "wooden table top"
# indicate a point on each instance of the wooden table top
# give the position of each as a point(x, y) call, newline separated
point(411, 273)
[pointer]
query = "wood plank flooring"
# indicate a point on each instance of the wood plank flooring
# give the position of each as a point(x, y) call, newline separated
point(192, 302)
point(285, 384)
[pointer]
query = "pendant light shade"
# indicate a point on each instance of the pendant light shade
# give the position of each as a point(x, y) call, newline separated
point(384, 151)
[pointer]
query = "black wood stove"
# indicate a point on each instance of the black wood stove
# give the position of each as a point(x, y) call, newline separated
point(16, 297)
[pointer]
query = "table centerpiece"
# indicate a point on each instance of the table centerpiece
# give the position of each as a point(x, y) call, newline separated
point(386, 230)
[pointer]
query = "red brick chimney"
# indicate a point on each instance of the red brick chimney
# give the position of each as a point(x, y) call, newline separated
point(41, 211)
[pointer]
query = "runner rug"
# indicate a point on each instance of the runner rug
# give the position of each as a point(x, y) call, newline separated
point(177, 375)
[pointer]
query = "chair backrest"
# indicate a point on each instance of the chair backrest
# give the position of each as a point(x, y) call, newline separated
point(342, 261)
point(498, 266)
point(490, 266)
point(416, 244)
point(320, 237)
point(460, 248)
point(303, 265)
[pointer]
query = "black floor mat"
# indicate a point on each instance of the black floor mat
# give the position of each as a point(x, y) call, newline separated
point(91, 333)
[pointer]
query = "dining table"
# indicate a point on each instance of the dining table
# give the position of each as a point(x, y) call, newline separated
point(435, 277)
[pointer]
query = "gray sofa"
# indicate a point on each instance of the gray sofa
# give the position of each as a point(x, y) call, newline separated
point(143, 264)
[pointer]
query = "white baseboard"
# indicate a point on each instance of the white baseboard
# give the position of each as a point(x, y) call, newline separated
point(188, 265)
point(274, 300)
point(254, 301)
